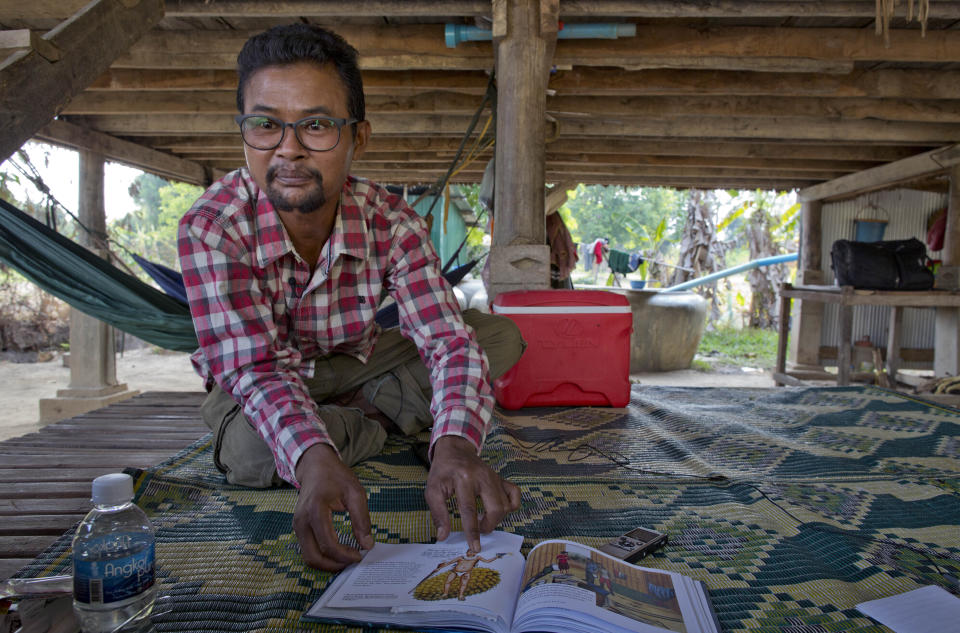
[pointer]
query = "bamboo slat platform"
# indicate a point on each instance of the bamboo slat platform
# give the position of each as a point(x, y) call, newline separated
point(46, 476)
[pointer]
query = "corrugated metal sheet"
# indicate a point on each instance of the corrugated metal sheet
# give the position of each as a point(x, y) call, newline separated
point(906, 212)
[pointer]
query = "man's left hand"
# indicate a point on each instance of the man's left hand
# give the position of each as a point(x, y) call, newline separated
point(456, 469)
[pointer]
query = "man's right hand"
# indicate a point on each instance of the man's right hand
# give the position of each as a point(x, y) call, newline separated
point(326, 486)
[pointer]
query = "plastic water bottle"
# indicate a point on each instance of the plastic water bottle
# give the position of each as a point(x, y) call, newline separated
point(113, 561)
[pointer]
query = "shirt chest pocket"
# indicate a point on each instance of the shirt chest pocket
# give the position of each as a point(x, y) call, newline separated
point(343, 321)
point(355, 314)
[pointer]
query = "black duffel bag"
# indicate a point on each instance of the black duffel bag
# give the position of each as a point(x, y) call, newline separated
point(890, 265)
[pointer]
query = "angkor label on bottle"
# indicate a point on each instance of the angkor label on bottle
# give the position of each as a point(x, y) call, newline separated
point(103, 580)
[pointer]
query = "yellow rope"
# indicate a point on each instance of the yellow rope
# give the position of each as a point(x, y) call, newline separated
point(475, 151)
point(886, 9)
point(446, 208)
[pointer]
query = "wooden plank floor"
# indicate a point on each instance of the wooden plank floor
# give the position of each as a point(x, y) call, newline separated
point(45, 476)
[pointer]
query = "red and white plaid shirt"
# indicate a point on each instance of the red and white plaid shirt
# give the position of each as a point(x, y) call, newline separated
point(261, 319)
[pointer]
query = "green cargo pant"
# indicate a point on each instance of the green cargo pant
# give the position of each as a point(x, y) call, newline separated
point(394, 380)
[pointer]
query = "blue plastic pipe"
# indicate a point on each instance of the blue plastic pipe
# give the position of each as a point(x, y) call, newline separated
point(757, 263)
point(456, 33)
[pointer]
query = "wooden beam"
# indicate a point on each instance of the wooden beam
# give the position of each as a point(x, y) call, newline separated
point(375, 82)
point(772, 164)
point(423, 47)
point(920, 110)
point(221, 102)
point(381, 47)
point(326, 8)
point(644, 171)
point(743, 128)
point(114, 149)
point(369, 158)
point(38, 9)
point(735, 148)
point(713, 173)
point(885, 176)
point(755, 106)
point(815, 130)
point(33, 89)
point(163, 79)
point(726, 63)
point(424, 177)
point(151, 102)
point(609, 164)
point(615, 160)
point(427, 174)
point(27, 39)
point(889, 83)
point(669, 40)
point(646, 147)
point(735, 9)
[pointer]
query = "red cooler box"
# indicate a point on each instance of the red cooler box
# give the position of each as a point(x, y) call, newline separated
point(578, 349)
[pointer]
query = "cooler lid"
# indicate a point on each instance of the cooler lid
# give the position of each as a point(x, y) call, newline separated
point(560, 301)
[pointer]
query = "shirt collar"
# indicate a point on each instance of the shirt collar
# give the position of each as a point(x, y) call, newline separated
point(350, 231)
point(271, 236)
point(349, 235)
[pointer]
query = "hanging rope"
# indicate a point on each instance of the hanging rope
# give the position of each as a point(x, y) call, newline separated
point(101, 241)
point(886, 9)
point(489, 99)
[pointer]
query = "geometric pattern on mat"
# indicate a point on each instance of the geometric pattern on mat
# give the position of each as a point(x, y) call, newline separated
point(792, 505)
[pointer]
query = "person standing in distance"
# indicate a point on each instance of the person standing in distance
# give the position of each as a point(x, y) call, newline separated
point(284, 262)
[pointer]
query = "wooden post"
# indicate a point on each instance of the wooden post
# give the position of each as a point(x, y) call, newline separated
point(785, 303)
point(524, 33)
point(808, 317)
point(893, 342)
point(843, 348)
point(93, 370)
point(946, 358)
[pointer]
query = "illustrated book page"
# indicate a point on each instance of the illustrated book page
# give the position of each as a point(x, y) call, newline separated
point(562, 586)
point(439, 585)
point(566, 580)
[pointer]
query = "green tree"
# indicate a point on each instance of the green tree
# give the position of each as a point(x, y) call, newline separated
point(30, 319)
point(151, 229)
point(477, 238)
point(629, 216)
point(145, 191)
point(765, 223)
point(701, 251)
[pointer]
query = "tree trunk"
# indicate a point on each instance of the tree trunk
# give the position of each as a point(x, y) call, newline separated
point(765, 281)
point(700, 250)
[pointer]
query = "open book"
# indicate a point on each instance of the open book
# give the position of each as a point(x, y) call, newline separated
point(562, 586)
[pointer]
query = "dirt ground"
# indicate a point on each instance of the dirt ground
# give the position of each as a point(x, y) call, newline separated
point(149, 369)
point(23, 384)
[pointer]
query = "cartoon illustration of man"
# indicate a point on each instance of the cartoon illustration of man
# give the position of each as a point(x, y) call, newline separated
point(462, 567)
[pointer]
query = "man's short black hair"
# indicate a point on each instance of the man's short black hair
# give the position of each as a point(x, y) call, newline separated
point(292, 43)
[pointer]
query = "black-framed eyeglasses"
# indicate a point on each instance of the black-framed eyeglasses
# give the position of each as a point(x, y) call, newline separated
point(316, 133)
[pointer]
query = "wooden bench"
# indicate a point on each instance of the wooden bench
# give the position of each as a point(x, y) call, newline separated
point(847, 297)
point(46, 475)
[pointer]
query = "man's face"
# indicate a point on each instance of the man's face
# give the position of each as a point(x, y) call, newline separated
point(293, 177)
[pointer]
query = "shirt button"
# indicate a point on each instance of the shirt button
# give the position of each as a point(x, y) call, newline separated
point(293, 286)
